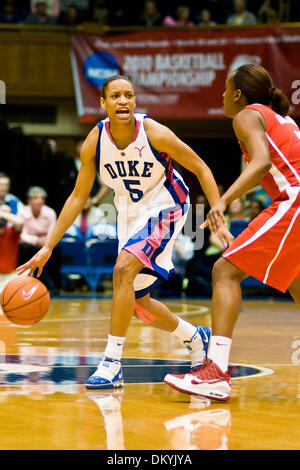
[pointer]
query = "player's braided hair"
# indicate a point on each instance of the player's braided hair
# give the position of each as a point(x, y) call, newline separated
point(257, 86)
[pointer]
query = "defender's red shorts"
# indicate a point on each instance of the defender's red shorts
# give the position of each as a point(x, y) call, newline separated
point(269, 248)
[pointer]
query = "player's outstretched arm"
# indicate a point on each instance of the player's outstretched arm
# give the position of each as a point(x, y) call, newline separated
point(73, 205)
point(164, 140)
point(249, 128)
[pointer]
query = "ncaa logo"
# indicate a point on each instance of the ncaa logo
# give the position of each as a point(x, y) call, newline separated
point(98, 67)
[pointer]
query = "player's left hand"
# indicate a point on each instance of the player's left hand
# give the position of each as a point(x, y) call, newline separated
point(217, 225)
point(225, 236)
point(215, 218)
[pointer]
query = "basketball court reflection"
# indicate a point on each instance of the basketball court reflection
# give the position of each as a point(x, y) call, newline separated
point(203, 430)
point(44, 403)
point(109, 405)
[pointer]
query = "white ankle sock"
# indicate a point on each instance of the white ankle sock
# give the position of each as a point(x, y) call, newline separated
point(114, 347)
point(184, 330)
point(219, 351)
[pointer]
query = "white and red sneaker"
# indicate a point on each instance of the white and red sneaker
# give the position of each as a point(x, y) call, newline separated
point(207, 380)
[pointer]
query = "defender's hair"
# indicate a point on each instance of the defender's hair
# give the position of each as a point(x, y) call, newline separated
point(257, 86)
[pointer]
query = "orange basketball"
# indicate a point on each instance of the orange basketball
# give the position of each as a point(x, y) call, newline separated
point(25, 300)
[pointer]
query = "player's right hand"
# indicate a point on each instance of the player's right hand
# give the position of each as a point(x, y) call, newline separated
point(36, 262)
point(225, 236)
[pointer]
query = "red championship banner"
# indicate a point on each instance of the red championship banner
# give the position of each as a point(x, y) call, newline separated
point(181, 75)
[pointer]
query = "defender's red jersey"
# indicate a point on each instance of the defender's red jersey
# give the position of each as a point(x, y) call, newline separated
point(269, 248)
point(283, 136)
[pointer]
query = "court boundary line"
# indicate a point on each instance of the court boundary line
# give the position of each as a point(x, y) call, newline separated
point(263, 371)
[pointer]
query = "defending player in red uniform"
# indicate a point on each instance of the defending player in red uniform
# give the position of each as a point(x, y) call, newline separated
point(269, 249)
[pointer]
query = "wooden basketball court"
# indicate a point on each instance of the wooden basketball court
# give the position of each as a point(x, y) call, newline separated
point(45, 406)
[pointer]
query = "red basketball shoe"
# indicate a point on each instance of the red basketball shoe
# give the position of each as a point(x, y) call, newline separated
point(208, 380)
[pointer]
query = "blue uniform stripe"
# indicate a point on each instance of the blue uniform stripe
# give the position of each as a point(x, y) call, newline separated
point(149, 227)
point(141, 293)
point(160, 249)
point(176, 177)
point(155, 283)
point(158, 157)
point(100, 126)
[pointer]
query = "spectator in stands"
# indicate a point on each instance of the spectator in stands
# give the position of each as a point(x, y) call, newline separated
point(85, 7)
point(40, 17)
point(101, 11)
point(236, 210)
point(38, 221)
point(261, 195)
point(205, 18)
point(53, 7)
point(255, 208)
point(89, 215)
point(10, 228)
point(150, 16)
point(183, 13)
point(9, 13)
point(5, 197)
point(71, 17)
point(274, 11)
point(241, 15)
point(64, 170)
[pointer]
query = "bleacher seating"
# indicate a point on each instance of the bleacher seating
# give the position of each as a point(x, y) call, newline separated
point(102, 257)
point(92, 257)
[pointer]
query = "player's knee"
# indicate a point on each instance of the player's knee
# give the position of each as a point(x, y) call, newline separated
point(294, 290)
point(223, 270)
point(218, 270)
point(123, 272)
point(119, 272)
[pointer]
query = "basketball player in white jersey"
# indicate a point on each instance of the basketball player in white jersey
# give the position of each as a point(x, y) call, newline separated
point(133, 155)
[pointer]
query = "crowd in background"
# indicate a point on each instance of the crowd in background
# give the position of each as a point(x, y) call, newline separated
point(149, 13)
point(36, 180)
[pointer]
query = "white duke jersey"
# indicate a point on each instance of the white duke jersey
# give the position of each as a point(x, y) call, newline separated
point(137, 172)
point(150, 196)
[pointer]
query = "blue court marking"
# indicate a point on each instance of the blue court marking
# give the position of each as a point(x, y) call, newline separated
point(15, 369)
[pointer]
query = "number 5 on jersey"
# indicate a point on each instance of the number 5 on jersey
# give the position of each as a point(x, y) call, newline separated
point(135, 193)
